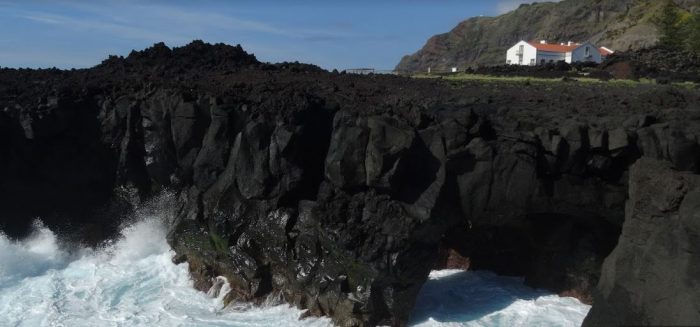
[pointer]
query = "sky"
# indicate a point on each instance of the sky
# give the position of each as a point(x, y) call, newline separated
point(333, 34)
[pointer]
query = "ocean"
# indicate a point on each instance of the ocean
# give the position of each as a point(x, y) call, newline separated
point(132, 281)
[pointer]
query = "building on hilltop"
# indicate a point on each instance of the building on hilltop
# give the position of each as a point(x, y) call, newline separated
point(539, 53)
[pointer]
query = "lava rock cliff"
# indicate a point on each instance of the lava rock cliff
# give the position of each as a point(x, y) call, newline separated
point(336, 192)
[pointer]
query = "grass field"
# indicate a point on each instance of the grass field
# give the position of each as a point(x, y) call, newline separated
point(524, 79)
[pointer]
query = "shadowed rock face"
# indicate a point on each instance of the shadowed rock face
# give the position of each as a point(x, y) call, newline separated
point(651, 277)
point(339, 192)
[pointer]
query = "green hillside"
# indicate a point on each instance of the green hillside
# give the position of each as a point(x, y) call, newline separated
point(617, 24)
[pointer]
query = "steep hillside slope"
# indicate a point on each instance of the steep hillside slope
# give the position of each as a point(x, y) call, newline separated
point(617, 24)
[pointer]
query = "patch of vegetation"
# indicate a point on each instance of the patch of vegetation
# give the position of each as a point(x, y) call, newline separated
point(464, 77)
point(218, 243)
point(687, 85)
point(679, 29)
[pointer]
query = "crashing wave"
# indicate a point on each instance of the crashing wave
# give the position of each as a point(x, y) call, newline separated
point(132, 281)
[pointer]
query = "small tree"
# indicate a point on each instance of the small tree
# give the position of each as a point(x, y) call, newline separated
point(668, 23)
point(692, 42)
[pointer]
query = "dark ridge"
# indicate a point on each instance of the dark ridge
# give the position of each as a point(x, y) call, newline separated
point(196, 55)
point(294, 67)
point(656, 62)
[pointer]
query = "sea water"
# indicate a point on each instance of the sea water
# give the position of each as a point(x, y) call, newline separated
point(483, 299)
point(133, 282)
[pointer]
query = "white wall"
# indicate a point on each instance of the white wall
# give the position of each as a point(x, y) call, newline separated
point(579, 54)
point(529, 54)
point(550, 56)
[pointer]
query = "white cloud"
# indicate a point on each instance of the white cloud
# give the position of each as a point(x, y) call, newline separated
point(173, 25)
point(505, 6)
point(122, 30)
point(130, 24)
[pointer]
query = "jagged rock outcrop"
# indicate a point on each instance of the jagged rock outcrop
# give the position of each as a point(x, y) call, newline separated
point(660, 63)
point(651, 276)
point(335, 192)
point(621, 25)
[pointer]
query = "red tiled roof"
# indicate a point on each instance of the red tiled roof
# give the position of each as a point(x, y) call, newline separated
point(604, 52)
point(554, 47)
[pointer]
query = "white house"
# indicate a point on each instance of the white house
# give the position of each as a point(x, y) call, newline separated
point(539, 53)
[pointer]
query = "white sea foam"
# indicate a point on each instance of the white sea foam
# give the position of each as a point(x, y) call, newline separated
point(133, 282)
point(481, 299)
point(34, 256)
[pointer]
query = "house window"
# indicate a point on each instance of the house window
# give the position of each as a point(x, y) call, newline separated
point(543, 61)
point(508, 62)
point(532, 62)
point(521, 50)
point(588, 51)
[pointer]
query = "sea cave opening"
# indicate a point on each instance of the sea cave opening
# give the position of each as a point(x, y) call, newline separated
point(542, 270)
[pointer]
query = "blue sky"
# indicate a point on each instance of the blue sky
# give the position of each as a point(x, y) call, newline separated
point(331, 33)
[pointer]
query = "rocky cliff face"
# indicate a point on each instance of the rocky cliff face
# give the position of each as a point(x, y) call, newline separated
point(336, 193)
point(617, 24)
point(650, 278)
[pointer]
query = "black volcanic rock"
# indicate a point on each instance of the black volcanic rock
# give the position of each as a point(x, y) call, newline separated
point(657, 62)
point(338, 192)
point(651, 277)
point(196, 55)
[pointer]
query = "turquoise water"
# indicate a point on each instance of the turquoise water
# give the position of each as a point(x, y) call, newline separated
point(132, 282)
point(483, 299)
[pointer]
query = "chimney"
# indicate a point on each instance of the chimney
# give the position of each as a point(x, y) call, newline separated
point(561, 43)
point(570, 43)
point(543, 41)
